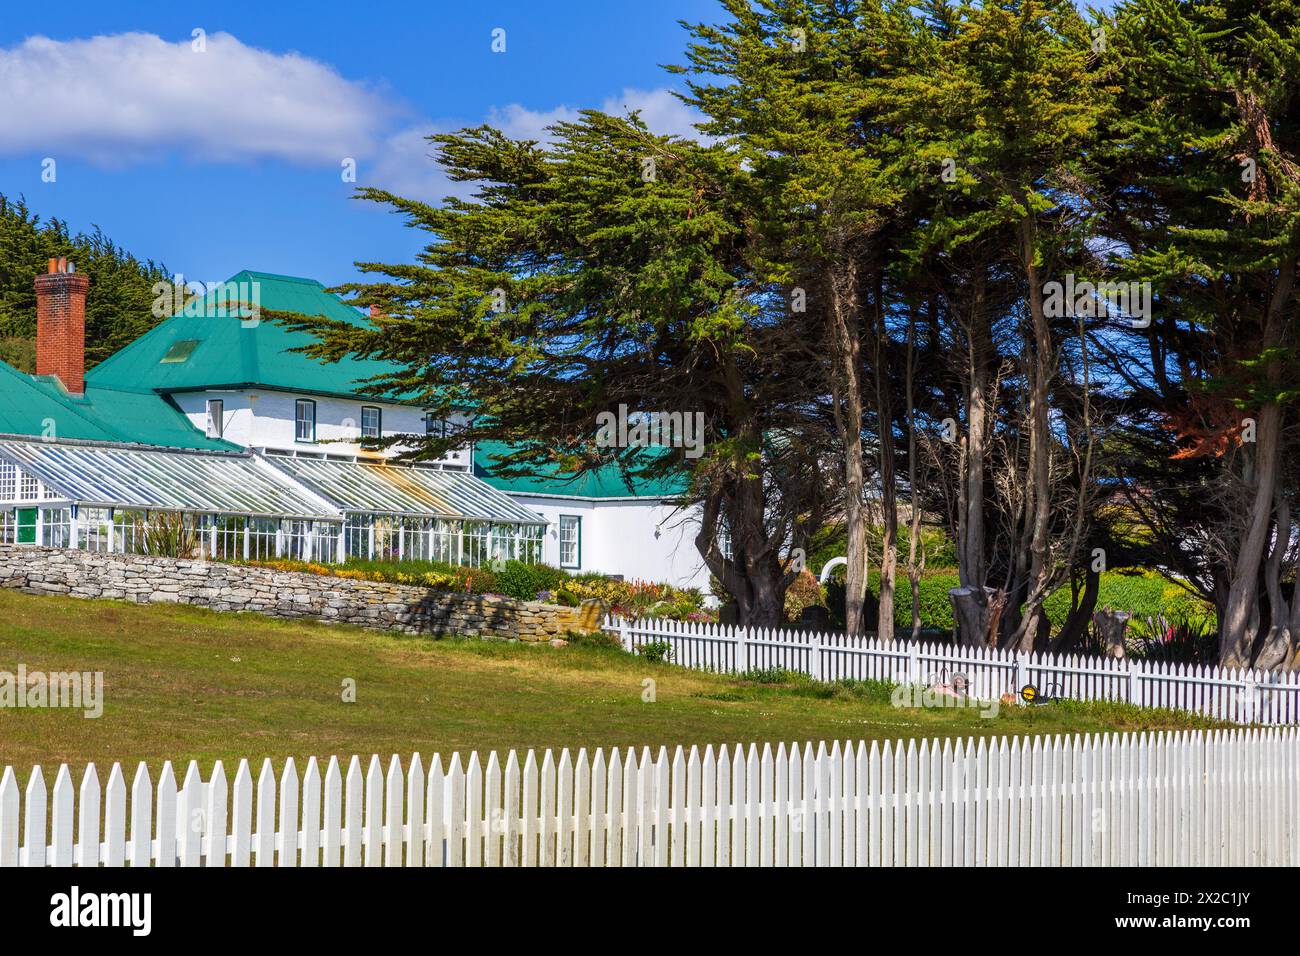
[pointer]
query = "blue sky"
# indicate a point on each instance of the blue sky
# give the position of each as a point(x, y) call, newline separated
point(230, 156)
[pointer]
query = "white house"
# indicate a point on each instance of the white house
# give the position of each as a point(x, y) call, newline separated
point(218, 394)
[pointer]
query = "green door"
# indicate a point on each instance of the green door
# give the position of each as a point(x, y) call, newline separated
point(26, 525)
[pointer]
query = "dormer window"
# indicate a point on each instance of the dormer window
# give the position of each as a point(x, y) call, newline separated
point(435, 427)
point(372, 421)
point(180, 352)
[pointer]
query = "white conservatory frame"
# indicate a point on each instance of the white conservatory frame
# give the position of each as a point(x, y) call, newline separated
point(111, 498)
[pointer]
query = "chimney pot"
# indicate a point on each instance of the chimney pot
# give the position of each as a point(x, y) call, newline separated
point(61, 325)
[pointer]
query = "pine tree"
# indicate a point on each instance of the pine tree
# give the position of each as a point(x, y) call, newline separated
point(118, 305)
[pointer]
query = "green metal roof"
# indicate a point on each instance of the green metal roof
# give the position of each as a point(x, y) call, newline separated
point(607, 482)
point(28, 409)
point(209, 350)
point(39, 406)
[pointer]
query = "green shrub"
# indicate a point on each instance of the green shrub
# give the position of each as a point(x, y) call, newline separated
point(523, 581)
point(603, 640)
point(804, 592)
point(832, 542)
point(1143, 593)
point(773, 675)
point(935, 605)
point(657, 652)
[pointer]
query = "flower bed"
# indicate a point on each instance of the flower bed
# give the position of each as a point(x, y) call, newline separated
point(524, 582)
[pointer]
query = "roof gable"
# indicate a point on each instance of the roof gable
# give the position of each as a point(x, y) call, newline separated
point(213, 350)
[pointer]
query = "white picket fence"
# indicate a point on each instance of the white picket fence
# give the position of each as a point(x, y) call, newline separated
point(1238, 696)
point(1185, 798)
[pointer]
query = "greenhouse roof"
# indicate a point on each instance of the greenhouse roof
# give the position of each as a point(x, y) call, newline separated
point(404, 489)
point(124, 476)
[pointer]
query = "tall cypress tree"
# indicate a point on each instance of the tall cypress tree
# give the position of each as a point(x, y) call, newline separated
point(1204, 197)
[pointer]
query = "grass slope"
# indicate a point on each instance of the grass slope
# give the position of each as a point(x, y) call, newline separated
point(183, 683)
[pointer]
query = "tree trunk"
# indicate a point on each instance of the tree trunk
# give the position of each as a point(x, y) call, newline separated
point(846, 391)
point(1076, 625)
point(914, 567)
point(1243, 595)
point(1276, 645)
point(888, 477)
point(754, 575)
point(976, 614)
point(1111, 626)
point(1040, 443)
point(970, 557)
point(1235, 634)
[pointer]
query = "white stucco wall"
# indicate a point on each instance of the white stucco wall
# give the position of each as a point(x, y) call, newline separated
point(637, 538)
point(266, 419)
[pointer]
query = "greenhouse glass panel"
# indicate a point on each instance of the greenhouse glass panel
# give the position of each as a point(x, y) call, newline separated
point(404, 490)
point(356, 532)
point(145, 479)
point(56, 527)
point(94, 524)
point(446, 541)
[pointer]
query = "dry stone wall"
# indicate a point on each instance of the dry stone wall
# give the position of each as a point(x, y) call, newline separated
point(228, 587)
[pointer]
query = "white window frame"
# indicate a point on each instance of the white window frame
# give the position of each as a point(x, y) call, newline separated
point(379, 421)
point(576, 542)
point(299, 420)
point(216, 426)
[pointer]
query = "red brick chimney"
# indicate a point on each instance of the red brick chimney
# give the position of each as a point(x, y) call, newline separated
point(61, 325)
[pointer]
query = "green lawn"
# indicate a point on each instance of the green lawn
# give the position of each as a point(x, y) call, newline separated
point(183, 683)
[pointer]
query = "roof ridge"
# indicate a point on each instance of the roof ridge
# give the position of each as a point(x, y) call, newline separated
point(279, 276)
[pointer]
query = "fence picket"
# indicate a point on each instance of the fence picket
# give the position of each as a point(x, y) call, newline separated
point(61, 815)
point(33, 853)
point(264, 835)
point(87, 821)
point(394, 823)
point(311, 819)
point(190, 822)
point(141, 817)
point(415, 809)
point(9, 820)
point(288, 836)
point(332, 815)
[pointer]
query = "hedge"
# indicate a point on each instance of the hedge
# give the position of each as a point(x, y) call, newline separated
point(1143, 594)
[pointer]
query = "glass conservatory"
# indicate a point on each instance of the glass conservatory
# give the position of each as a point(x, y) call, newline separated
point(240, 506)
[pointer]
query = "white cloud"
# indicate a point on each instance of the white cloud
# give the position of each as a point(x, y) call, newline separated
point(660, 110)
point(134, 96)
point(406, 166)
